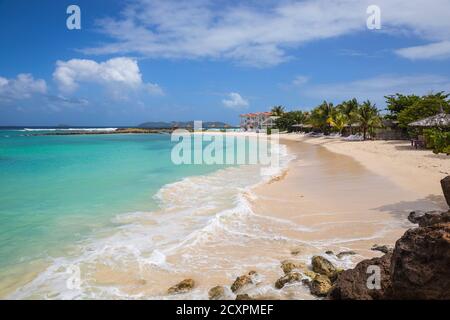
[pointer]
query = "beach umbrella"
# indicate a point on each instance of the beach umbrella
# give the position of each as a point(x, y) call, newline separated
point(441, 120)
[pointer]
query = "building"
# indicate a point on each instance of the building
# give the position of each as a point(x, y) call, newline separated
point(257, 121)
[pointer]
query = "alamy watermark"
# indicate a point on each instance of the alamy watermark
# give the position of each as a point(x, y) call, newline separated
point(73, 22)
point(226, 147)
point(374, 19)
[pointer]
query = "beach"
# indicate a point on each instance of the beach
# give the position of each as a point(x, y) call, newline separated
point(215, 225)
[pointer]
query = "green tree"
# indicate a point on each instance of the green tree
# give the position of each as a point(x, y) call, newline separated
point(424, 107)
point(368, 117)
point(339, 121)
point(277, 111)
point(322, 116)
point(399, 102)
point(288, 119)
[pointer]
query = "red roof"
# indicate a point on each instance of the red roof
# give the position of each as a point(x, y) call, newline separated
point(249, 115)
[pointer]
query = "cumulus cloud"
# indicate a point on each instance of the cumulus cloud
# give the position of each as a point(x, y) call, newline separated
point(377, 87)
point(24, 86)
point(300, 81)
point(235, 101)
point(254, 34)
point(123, 72)
point(438, 50)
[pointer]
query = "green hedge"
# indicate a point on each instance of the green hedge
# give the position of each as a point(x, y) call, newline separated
point(438, 140)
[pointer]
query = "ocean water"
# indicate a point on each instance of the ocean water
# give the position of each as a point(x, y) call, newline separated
point(109, 216)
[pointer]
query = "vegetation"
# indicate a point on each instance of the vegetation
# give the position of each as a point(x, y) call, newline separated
point(438, 140)
point(365, 117)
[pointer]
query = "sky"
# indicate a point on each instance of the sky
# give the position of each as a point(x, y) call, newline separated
point(169, 60)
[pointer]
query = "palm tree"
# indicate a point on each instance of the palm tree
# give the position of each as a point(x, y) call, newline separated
point(368, 117)
point(339, 121)
point(322, 116)
point(277, 111)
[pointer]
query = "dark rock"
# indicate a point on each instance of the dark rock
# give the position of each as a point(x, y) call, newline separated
point(322, 266)
point(320, 286)
point(352, 284)
point(288, 278)
point(445, 184)
point(296, 251)
point(345, 253)
point(243, 297)
point(182, 287)
point(217, 293)
point(425, 219)
point(243, 281)
point(381, 248)
point(420, 266)
point(329, 252)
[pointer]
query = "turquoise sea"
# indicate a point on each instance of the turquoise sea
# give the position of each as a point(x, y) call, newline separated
point(57, 190)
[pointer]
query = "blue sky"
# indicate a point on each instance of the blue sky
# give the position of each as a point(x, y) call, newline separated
point(145, 60)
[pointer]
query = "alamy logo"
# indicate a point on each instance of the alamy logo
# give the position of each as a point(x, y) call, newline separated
point(73, 22)
point(218, 148)
point(374, 280)
point(374, 19)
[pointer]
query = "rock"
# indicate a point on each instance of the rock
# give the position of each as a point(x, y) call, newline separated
point(445, 184)
point(243, 297)
point(182, 287)
point(217, 293)
point(296, 251)
point(243, 281)
point(289, 266)
point(352, 284)
point(288, 278)
point(323, 266)
point(309, 274)
point(420, 267)
point(345, 253)
point(329, 252)
point(425, 219)
point(320, 285)
point(381, 248)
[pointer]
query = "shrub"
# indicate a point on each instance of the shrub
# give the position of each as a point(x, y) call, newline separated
point(438, 140)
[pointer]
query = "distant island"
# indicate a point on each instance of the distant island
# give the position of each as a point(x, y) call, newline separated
point(182, 124)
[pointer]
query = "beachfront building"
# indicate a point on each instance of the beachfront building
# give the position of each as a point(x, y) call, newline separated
point(257, 121)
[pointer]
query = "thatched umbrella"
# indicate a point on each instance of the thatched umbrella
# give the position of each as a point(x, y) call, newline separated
point(440, 120)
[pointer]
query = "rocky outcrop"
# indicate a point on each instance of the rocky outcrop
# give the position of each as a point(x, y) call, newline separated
point(352, 284)
point(243, 297)
point(425, 219)
point(289, 266)
point(288, 278)
point(243, 281)
point(320, 285)
point(382, 248)
point(445, 184)
point(420, 266)
point(217, 293)
point(182, 287)
point(324, 267)
point(342, 254)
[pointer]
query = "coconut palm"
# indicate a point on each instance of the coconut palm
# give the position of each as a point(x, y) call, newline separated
point(339, 121)
point(277, 111)
point(368, 117)
point(321, 116)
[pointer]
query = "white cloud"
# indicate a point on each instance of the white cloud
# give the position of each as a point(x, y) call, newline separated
point(116, 73)
point(257, 34)
point(24, 86)
point(376, 88)
point(235, 101)
point(438, 50)
point(300, 81)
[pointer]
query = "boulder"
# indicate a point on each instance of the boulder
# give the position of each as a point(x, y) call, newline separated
point(288, 278)
point(243, 297)
point(243, 281)
point(324, 267)
point(182, 287)
point(289, 266)
point(381, 248)
point(420, 267)
point(342, 254)
point(425, 219)
point(320, 285)
point(217, 293)
point(352, 284)
point(445, 184)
